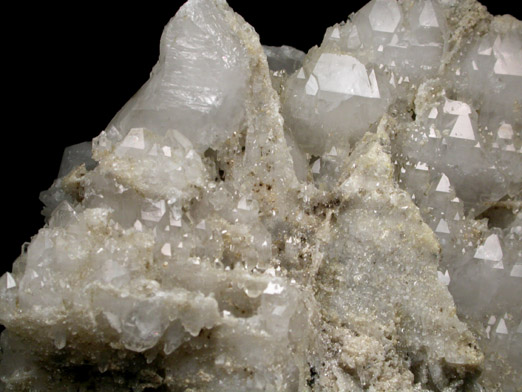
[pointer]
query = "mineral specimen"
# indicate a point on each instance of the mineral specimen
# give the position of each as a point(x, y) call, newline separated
point(258, 219)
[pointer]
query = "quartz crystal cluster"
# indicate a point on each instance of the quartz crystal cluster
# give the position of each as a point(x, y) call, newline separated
point(258, 219)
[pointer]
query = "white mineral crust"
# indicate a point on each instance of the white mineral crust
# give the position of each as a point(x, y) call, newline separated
point(345, 220)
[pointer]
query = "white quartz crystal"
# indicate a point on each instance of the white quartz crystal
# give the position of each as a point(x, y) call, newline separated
point(258, 219)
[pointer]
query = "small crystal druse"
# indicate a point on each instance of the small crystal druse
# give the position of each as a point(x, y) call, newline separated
point(261, 219)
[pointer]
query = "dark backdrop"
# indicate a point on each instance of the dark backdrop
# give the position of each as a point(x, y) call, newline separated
point(67, 71)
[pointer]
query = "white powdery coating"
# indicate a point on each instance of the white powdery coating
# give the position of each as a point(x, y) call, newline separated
point(212, 246)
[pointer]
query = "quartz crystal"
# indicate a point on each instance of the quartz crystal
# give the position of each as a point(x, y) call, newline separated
point(261, 219)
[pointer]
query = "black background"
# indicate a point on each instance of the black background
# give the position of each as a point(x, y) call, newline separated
point(68, 69)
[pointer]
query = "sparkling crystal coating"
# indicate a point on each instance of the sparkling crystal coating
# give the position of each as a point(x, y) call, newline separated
point(259, 219)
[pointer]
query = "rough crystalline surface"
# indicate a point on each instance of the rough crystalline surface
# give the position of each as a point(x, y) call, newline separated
point(258, 219)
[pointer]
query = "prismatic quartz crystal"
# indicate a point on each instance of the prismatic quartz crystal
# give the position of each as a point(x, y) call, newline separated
point(261, 219)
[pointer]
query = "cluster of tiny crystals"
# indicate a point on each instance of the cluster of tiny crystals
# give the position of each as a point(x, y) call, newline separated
point(261, 219)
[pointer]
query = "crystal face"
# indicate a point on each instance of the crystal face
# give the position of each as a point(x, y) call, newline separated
point(257, 218)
